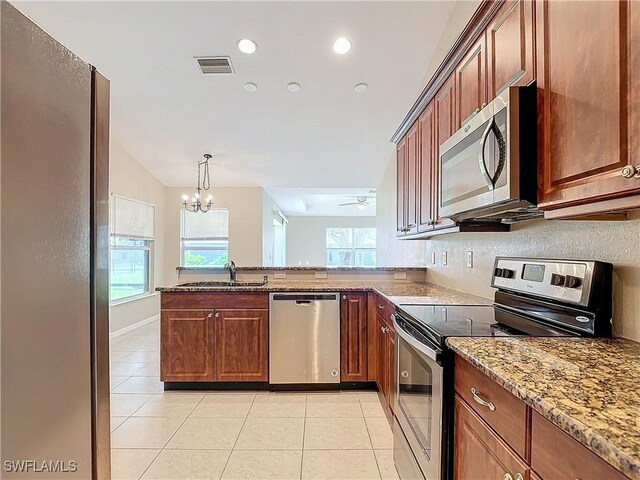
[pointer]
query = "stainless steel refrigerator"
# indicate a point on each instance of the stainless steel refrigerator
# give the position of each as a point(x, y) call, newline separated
point(54, 309)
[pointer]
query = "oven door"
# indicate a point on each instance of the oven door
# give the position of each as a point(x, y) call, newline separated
point(419, 398)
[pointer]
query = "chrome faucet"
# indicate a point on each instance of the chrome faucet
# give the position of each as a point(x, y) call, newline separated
point(231, 266)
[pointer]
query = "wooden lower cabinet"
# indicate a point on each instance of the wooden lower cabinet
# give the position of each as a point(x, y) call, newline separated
point(488, 441)
point(353, 337)
point(226, 342)
point(478, 452)
point(386, 344)
point(187, 346)
point(241, 345)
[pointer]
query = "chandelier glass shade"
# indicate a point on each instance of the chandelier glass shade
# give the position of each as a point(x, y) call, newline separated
point(204, 183)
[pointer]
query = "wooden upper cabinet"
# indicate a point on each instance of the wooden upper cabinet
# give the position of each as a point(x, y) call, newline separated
point(241, 345)
point(510, 47)
point(587, 55)
point(353, 337)
point(411, 186)
point(444, 108)
point(427, 185)
point(187, 346)
point(401, 192)
point(471, 89)
point(478, 451)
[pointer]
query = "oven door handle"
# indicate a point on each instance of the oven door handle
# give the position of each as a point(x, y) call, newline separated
point(433, 353)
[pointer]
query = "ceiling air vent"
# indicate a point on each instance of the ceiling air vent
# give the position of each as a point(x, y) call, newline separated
point(215, 65)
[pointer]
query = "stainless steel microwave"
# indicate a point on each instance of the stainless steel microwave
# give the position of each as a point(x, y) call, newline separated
point(488, 168)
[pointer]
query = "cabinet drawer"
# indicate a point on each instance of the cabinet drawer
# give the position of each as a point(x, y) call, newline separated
point(384, 309)
point(213, 300)
point(575, 460)
point(507, 415)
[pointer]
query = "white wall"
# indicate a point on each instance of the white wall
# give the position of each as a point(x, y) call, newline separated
point(246, 218)
point(306, 237)
point(130, 179)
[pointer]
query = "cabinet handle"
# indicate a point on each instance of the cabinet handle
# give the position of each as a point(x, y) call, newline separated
point(484, 105)
point(210, 315)
point(384, 329)
point(507, 476)
point(483, 402)
point(519, 476)
point(218, 315)
point(381, 307)
point(629, 171)
point(344, 297)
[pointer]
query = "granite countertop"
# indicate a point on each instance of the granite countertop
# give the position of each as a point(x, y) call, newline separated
point(590, 388)
point(396, 292)
point(302, 268)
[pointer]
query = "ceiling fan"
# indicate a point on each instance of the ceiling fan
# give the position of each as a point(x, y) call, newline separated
point(362, 202)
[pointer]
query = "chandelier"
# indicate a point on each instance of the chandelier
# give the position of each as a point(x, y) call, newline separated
point(196, 204)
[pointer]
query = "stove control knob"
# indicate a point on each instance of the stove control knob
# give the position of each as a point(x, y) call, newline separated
point(506, 273)
point(497, 272)
point(572, 282)
point(557, 280)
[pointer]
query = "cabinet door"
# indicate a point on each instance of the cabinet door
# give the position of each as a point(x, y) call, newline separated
point(241, 345)
point(471, 90)
point(426, 168)
point(634, 83)
point(510, 49)
point(478, 452)
point(401, 192)
point(383, 364)
point(390, 358)
point(353, 337)
point(587, 100)
point(187, 346)
point(413, 146)
point(445, 125)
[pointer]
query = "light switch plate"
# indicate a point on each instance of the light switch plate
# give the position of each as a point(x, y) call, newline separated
point(469, 257)
point(444, 258)
point(433, 258)
point(400, 275)
point(279, 275)
point(321, 275)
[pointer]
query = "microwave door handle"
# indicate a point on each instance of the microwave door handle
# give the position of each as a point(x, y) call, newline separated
point(481, 160)
point(502, 156)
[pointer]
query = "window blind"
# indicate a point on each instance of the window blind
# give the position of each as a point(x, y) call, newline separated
point(130, 218)
point(205, 226)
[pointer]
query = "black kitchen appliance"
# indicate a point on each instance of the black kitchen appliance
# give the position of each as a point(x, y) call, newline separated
point(534, 297)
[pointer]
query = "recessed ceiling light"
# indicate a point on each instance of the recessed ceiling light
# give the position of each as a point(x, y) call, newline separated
point(294, 87)
point(247, 46)
point(341, 46)
point(250, 87)
point(361, 87)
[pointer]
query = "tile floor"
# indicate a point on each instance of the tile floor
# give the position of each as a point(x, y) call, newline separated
point(237, 435)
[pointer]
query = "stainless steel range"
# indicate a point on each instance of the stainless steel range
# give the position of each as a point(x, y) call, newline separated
point(534, 297)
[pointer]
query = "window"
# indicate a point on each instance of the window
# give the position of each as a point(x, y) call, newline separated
point(132, 235)
point(204, 238)
point(351, 247)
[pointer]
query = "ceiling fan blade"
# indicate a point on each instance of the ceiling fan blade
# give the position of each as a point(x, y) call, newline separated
point(345, 204)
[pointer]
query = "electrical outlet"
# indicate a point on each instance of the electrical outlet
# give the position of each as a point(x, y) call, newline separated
point(444, 258)
point(400, 275)
point(321, 275)
point(279, 275)
point(469, 257)
point(433, 258)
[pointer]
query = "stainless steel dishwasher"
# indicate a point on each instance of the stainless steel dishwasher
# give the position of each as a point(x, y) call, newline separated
point(304, 337)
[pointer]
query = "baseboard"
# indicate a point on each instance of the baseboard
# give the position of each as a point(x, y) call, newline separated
point(133, 326)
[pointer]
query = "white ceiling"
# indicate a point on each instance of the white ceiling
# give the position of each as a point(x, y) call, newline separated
point(166, 114)
point(323, 202)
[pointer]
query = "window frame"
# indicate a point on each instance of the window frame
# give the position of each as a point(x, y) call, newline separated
point(182, 240)
point(353, 248)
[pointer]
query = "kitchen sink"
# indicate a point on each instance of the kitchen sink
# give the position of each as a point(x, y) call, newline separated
point(224, 284)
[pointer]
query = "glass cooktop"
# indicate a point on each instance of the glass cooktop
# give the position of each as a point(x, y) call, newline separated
point(441, 321)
